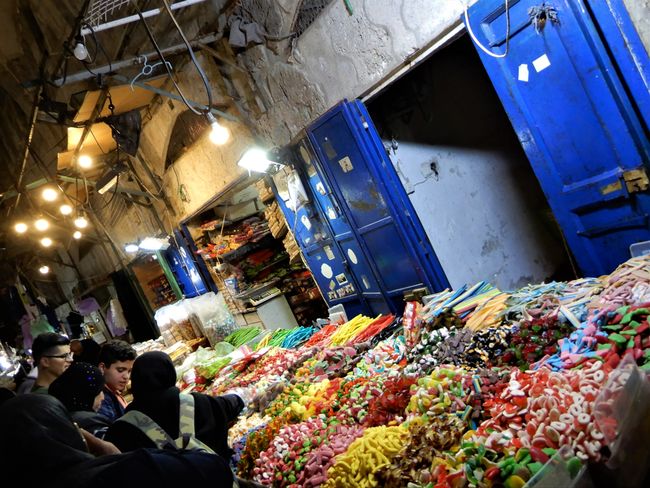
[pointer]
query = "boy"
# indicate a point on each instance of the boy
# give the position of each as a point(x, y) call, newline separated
point(52, 356)
point(115, 361)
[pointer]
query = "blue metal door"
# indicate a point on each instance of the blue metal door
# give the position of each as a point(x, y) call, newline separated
point(320, 250)
point(581, 131)
point(375, 224)
point(184, 268)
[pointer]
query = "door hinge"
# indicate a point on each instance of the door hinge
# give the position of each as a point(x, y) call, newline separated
point(636, 180)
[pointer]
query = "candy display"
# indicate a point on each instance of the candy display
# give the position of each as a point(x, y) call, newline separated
point(471, 388)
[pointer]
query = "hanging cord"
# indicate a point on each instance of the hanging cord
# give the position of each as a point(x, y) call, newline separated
point(478, 43)
point(208, 90)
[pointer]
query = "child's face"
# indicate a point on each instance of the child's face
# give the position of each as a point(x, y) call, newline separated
point(117, 375)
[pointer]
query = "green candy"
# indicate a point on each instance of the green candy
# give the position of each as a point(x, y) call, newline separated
point(618, 338)
point(535, 467)
point(574, 465)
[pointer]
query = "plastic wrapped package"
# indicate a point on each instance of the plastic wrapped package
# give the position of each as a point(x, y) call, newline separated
point(174, 323)
point(622, 412)
point(211, 314)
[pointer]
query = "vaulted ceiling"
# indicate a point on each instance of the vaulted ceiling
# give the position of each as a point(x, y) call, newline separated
point(36, 42)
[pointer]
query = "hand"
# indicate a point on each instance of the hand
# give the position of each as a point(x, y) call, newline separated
point(97, 446)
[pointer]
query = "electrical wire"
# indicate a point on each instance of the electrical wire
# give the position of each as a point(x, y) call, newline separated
point(204, 111)
point(478, 43)
point(100, 46)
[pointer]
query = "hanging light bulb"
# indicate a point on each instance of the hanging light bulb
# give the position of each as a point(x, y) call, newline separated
point(81, 222)
point(80, 52)
point(46, 242)
point(50, 194)
point(219, 135)
point(42, 224)
point(20, 227)
point(85, 161)
point(65, 209)
point(77, 234)
point(44, 269)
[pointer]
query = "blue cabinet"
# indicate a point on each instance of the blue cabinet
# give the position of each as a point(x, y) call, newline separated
point(363, 241)
point(577, 104)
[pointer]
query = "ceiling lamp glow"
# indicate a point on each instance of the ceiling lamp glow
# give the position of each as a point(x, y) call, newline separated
point(131, 247)
point(153, 244)
point(81, 222)
point(255, 159)
point(65, 209)
point(85, 161)
point(46, 242)
point(20, 227)
point(42, 224)
point(50, 194)
point(77, 234)
point(219, 135)
point(44, 269)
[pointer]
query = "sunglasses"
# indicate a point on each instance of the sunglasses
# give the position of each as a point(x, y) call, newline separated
point(67, 355)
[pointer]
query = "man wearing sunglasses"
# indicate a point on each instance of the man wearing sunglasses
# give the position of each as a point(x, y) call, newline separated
point(52, 356)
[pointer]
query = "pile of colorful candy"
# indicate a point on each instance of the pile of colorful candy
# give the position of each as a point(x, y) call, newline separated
point(477, 388)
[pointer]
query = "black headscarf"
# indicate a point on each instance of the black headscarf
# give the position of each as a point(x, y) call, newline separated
point(153, 373)
point(40, 440)
point(78, 386)
point(89, 352)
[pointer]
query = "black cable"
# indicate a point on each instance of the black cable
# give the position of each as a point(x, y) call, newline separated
point(101, 47)
point(169, 72)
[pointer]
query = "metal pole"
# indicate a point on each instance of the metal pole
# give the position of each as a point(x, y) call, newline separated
point(165, 93)
point(135, 18)
point(85, 75)
point(28, 142)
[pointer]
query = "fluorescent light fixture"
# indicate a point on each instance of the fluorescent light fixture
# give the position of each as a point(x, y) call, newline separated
point(109, 179)
point(50, 194)
point(44, 269)
point(65, 209)
point(20, 227)
point(153, 244)
point(81, 222)
point(77, 234)
point(219, 135)
point(131, 247)
point(84, 161)
point(42, 224)
point(46, 242)
point(256, 159)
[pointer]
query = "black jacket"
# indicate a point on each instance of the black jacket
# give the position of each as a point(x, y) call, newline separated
point(154, 394)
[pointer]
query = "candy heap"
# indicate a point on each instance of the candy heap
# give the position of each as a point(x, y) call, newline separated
point(473, 388)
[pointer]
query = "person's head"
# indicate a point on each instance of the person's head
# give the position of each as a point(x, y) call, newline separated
point(51, 353)
point(152, 372)
point(116, 362)
point(79, 388)
point(86, 351)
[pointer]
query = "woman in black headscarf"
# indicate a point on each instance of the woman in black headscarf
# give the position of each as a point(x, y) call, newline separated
point(80, 389)
point(40, 440)
point(153, 384)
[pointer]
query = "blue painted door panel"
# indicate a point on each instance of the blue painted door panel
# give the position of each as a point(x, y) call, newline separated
point(185, 270)
point(579, 128)
point(378, 229)
point(320, 249)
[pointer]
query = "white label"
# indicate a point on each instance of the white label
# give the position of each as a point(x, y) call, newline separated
point(346, 164)
point(352, 256)
point(326, 270)
point(523, 72)
point(541, 63)
point(342, 279)
point(328, 252)
point(320, 188)
point(305, 221)
point(331, 213)
point(366, 283)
